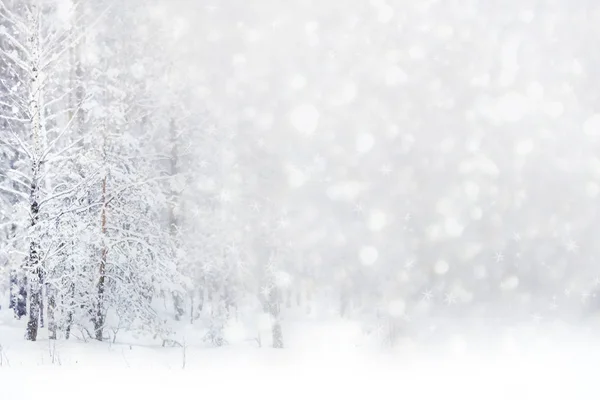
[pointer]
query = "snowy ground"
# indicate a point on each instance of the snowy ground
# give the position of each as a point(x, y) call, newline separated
point(321, 361)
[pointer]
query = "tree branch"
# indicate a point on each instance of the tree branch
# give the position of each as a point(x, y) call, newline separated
point(15, 192)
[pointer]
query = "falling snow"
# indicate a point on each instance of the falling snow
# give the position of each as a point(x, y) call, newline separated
point(334, 176)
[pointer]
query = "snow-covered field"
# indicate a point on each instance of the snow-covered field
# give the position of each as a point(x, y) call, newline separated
point(321, 361)
point(122, 373)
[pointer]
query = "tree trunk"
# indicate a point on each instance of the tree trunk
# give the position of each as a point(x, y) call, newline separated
point(99, 317)
point(192, 308)
point(277, 335)
point(18, 293)
point(69, 321)
point(275, 314)
point(33, 264)
point(178, 302)
point(42, 303)
point(51, 316)
point(178, 305)
point(35, 278)
point(200, 298)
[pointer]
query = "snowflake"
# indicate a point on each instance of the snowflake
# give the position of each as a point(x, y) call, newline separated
point(270, 267)
point(517, 237)
point(266, 290)
point(427, 296)
point(572, 246)
point(499, 257)
point(449, 299)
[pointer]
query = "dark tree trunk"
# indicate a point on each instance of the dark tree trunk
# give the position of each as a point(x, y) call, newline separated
point(35, 293)
point(41, 301)
point(99, 314)
point(18, 294)
point(178, 305)
point(36, 109)
point(99, 317)
point(33, 263)
point(13, 293)
point(51, 316)
point(69, 321)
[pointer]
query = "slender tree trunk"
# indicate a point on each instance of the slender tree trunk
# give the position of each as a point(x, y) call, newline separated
point(200, 298)
point(274, 310)
point(42, 301)
point(99, 317)
point(13, 291)
point(35, 278)
point(69, 321)
point(51, 310)
point(18, 293)
point(173, 220)
point(21, 310)
point(33, 264)
point(192, 309)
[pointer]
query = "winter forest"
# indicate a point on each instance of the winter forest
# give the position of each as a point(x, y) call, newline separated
point(231, 177)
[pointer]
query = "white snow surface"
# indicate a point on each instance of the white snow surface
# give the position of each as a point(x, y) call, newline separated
point(92, 371)
point(322, 360)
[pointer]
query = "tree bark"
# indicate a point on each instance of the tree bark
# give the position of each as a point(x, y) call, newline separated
point(99, 317)
point(18, 293)
point(33, 265)
point(35, 278)
point(274, 310)
point(178, 302)
point(69, 321)
point(51, 316)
